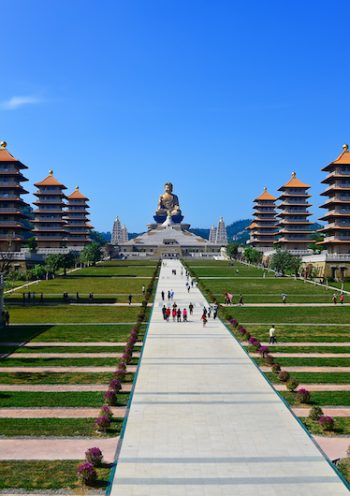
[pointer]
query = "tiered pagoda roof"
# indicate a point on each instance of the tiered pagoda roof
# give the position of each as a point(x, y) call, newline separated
point(13, 225)
point(78, 226)
point(49, 219)
point(263, 228)
point(294, 226)
point(337, 229)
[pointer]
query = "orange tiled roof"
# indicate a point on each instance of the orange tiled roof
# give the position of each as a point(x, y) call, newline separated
point(344, 157)
point(50, 180)
point(294, 182)
point(253, 225)
point(266, 196)
point(5, 155)
point(77, 195)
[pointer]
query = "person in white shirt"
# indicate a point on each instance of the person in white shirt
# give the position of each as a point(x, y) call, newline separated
point(272, 335)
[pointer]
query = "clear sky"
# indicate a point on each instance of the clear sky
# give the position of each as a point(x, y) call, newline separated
point(221, 97)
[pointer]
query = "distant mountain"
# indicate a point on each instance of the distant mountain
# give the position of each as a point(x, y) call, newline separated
point(235, 231)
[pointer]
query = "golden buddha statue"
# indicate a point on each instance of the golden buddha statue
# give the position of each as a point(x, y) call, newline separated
point(168, 202)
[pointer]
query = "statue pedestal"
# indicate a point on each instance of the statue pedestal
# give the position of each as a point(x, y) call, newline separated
point(176, 219)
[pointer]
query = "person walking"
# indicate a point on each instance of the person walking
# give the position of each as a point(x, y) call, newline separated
point(240, 302)
point(215, 311)
point(169, 295)
point(209, 311)
point(143, 290)
point(205, 310)
point(204, 318)
point(164, 312)
point(190, 307)
point(188, 288)
point(184, 315)
point(172, 294)
point(284, 298)
point(130, 299)
point(174, 305)
point(168, 313)
point(272, 335)
point(334, 298)
point(341, 298)
point(163, 295)
point(173, 313)
point(178, 314)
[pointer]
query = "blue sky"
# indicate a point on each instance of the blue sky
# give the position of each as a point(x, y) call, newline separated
point(219, 97)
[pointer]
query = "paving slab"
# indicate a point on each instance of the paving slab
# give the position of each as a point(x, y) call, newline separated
point(204, 421)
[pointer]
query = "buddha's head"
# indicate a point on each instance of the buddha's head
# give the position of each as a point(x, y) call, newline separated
point(168, 187)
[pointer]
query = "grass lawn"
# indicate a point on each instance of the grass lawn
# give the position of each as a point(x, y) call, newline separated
point(322, 398)
point(62, 362)
point(33, 475)
point(74, 333)
point(226, 270)
point(302, 333)
point(25, 399)
point(341, 427)
point(116, 271)
point(12, 427)
point(327, 315)
point(310, 362)
point(59, 378)
point(73, 313)
point(69, 349)
point(86, 285)
point(315, 377)
point(309, 349)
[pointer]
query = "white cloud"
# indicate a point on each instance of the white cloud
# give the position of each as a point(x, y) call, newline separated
point(19, 101)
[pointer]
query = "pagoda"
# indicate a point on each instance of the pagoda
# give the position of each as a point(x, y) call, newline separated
point(12, 208)
point(49, 222)
point(221, 233)
point(77, 227)
point(119, 232)
point(294, 226)
point(263, 229)
point(337, 229)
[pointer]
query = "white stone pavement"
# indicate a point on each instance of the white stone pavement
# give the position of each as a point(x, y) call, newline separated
point(203, 420)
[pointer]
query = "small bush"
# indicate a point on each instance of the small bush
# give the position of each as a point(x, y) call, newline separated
point(326, 422)
point(303, 395)
point(119, 374)
point(86, 473)
point(94, 456)
point(105, 410)
point(268, 359)
point(263, 350)
point(253, 341)
point(122, 365)
point(127, 356)
point(110, 397)
point(283, 376)
point(247, 336)
point(292, 384)
point(103, 423)
point(115, 385)
point(276, 368)
point(316, 413)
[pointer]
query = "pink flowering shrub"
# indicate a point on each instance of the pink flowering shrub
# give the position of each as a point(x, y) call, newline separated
point(110, 397)
point(106, 411)
point(86, 473)
point(94, 456)
point(122, 365)
point(263, 350)
point(115, 385)
point(102, 423)
point(119, 374)
point(303, 395)
point(326, 422)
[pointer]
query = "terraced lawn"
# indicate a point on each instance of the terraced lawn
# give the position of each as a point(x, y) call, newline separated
point(61, 362)
point(321, 398)
point(315, 377)
point(33, 378)
point(276, 315)
point(26, 399)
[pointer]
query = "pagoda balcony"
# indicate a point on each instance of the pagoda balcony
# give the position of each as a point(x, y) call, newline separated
point(303, 240)
point(336, 201)
point(19, 177)
point(334, 188)
point(305, 204)
point(334, 214)
point(42, 231)
point(12, 210)
point(46, 203)
point(288, 214)
point(336, 239)
point(335, 227)
point(286, 194)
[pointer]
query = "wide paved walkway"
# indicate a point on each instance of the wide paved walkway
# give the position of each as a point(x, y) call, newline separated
point(203, 420)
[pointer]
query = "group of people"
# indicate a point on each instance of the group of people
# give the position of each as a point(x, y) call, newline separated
point(206, 313)
point(176, 313)
point(335, 298)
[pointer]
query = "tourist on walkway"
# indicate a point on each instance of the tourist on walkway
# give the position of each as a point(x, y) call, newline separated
point(184, 315)
point(192, 282)
point(334, 298)
point(178, 315)
point(174, 305)
point(130, 298)
point(188, 288)
point(205, 310)
point(341, 298)
point(172, 294)
point(163, 295)
point(169, 295)
point(209, 311)
point(204, 319)
point(190, 307)
point(173, 313)
point(168, 312)
point(215, 311)
point(272, 335)
point(164, 312)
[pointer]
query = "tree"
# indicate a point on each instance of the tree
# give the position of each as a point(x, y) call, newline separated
point(97, 238)
point(232, 250)
point(37, 272)
point(91, 254)
point(32, 244)
point(252, 255)
point(54, 263)
point(314, 246)
point(283, 261)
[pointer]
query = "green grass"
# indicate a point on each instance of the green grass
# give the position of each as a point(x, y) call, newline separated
point(78, 314)
point(341, 427)
point(59, 378)
point(309, 349)
point(322, 398)
point(115, 271)
point(310, 362)
point(290, 333)
point(33, 475)
point(12, 427)
point(225, 269)
point(62, 362)
point(270, 315)
point(129, 263)
point(74, 333)
point(315, 377)
point(25, 399)
point(86, 285)
point(69, 349)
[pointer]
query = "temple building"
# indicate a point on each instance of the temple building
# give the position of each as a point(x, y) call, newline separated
point(294, 226)
point(50, 225)
point(13, 219)
point(263, 229)
point(221, 233)
point(77, 222)
point(168, 237)
point(119, 233)
point(212, 234)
